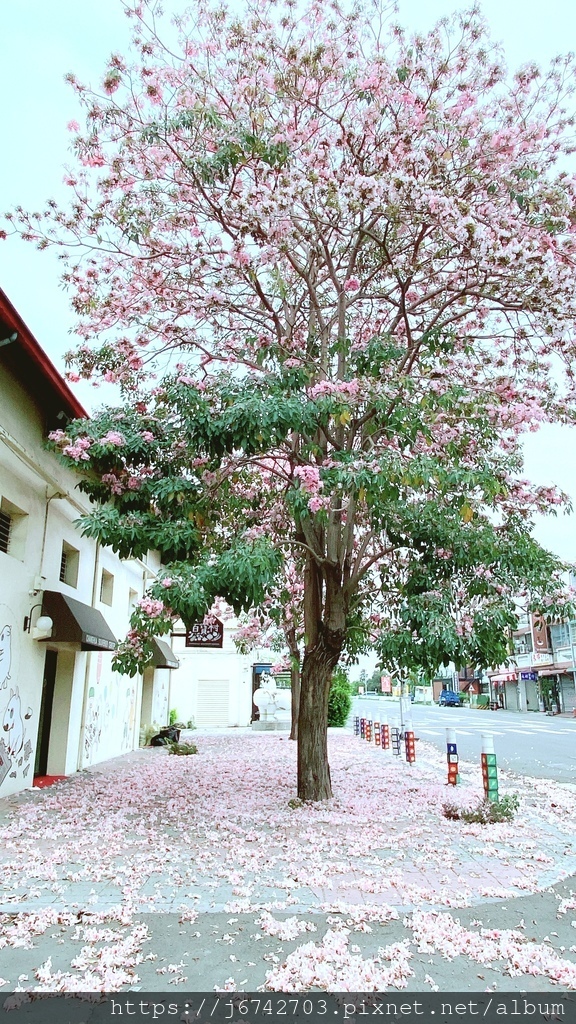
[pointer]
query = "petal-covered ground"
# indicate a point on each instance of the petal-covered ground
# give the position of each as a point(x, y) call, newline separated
point(219, 833)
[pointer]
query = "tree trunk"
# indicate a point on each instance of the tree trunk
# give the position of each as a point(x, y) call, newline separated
point(313, 768)
point(290, 636)
point(295, 687)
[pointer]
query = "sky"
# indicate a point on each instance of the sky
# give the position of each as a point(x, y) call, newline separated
point(44, 39)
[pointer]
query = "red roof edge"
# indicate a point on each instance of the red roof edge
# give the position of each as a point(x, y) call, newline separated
point(28, 344)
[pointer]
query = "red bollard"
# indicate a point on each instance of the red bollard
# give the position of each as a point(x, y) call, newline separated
point(410, 747)
point(385, 736)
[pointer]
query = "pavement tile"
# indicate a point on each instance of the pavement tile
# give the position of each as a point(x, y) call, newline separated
point(416, 860)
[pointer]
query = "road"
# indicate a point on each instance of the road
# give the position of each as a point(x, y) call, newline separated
point(530, 743)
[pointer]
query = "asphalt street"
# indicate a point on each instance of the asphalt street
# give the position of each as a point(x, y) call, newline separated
point(528, 743)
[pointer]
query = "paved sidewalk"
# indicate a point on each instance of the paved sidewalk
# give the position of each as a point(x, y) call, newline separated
point(200, 872)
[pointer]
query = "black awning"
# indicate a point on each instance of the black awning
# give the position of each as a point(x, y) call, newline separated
point(163, 656)
point(77, 623)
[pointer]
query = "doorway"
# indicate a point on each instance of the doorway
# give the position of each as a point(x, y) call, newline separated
point(45, 717)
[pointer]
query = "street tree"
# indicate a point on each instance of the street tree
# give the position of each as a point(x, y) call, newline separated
point(331, 267)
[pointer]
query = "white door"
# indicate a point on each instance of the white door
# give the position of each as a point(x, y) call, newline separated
point(511, 696)
point(531, 695)
point(213, 703)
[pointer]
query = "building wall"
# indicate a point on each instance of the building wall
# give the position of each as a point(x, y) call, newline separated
point(95, 712)
point(213, 687)
point(547, 653)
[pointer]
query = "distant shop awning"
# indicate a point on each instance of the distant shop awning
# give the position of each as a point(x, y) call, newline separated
point(76, 623)
point(505, 677)
point(163, 656)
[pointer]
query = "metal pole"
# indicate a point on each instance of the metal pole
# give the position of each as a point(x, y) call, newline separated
point(572, 645)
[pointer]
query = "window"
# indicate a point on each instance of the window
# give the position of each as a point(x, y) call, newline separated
point(69, 562)
point(563, 635)
point(5, 524)
point(523, 644)
point(106, 587)
point(132, 600)
point(13, 525)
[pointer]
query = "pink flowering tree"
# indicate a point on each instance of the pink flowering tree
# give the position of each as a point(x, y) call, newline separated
point(332, 269)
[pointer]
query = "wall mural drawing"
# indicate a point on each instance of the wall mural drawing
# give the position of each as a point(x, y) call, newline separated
point(5, 761)
point(15, 749)
point(13, 724)
point(16, 737)
point(5, 655)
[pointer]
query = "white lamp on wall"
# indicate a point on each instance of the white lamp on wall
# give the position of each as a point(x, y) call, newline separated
point(43, 625)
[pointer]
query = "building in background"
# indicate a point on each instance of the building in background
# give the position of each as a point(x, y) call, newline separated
point(543, 676)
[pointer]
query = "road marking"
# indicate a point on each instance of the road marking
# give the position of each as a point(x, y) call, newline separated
point(521, 732)
point(432, 732)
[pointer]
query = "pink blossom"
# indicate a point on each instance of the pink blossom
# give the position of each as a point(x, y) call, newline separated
point(151, 607)
point(241, 258)
point(352, 284)
point(309, 477)
point(113, 437)
point(113, 482)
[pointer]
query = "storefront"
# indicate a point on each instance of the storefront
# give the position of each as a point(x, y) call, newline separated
point(550, 700)
point(530, 695)
point(504, 690)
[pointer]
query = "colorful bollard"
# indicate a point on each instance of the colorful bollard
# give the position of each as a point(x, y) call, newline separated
point(489, 767)
point(395, 736)
point(377, 733)
point(369, 731)
point(385, 736)
point(362, 728)
point(452, 757)
point(356, 725)
point(410, 745)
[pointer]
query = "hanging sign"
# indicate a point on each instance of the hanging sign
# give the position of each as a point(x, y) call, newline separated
point(209, 633)
point(386, 684)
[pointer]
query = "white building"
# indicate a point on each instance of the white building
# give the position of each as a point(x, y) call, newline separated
point(62, 707)
point(214, 686)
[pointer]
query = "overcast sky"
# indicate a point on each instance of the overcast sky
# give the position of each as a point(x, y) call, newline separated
point(43, 39)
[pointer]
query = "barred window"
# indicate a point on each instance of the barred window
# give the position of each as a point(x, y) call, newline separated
point(69, 564)
point(13, 529)
point(5, 526)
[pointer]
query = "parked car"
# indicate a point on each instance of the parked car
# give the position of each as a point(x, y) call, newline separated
point(449, 699)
